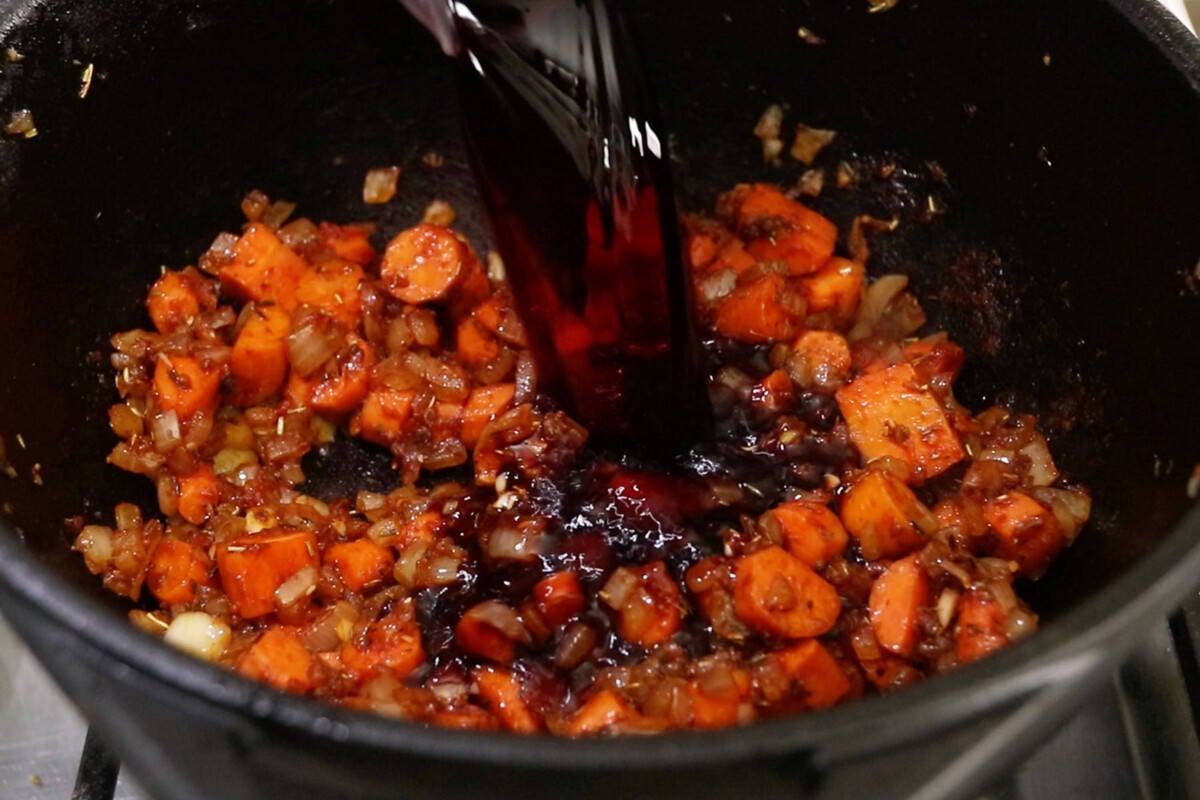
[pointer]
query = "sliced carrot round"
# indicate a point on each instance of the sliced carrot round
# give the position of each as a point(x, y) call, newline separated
point(423, 263)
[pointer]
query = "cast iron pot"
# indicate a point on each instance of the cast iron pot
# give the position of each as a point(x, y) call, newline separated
point(1071, 138)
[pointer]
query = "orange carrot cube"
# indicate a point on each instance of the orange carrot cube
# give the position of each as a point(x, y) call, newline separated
point(359, 563)
point(885, 517)
point(252, 567)
point(811, 531)
point(263, 269)
point(889, 413)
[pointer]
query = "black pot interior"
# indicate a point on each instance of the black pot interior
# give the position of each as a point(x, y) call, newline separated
point(1064, 262)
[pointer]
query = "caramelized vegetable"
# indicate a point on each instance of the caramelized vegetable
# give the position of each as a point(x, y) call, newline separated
point(777, 594)
point(510, 577)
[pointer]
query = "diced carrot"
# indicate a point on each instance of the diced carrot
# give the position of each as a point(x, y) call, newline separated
point(782, 229)
point(802, 250)
point(280, 659)
point(332, 286)
point(176, 569)
point(962, 514)
point(885, 517)
point(889, 413)
point(935, 359)
point(349, 242)
point(198, 493)
point(980, 627)
point(497, 316)
point(392, 643)
point(812, 533)
point(183, 385)
point(603, 710)
point(263, 269)
point(252, 567)
point(341, 393)
point(423, 263)
point(757, 312)
point(472, 288)
point(733, 255)
point(359, 563)
point(888, 671)
point(778, 594)
point(835, 288)
point(897, 597)
point(558, 597)
point(818, 675)
point(474, 346)
point(773, 393)
point(819, 359)
point(383, 414)
point(422, 528)
point(719, 706)
point(173, 301)
point(484, 404)
point(501, 692)
point(448, 420)
point(477, 631)
point(258, 362)
point(1028, 532)
point(647, 602)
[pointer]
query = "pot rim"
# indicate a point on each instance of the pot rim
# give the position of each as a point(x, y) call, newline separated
point(1094, 634)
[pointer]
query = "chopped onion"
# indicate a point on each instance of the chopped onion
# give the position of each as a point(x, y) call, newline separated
point(379, 185)
point(277, 213)
point(259, 519)
point(717, 285)
point(254, 205)
point(947, 603)
point(199, 634)
point(439, 212)
point(809, 142)
point(405, 571)
point(577, 642)
point(620, 588)
point(442, 571)
point(301, 584)
point(231, 460)
point(510, 543)
point(127, 516)
point(95, 543)
point(1071, 508)
point(313, 341)
point(811, 183)
point(496, 614)
point(299, 233)
point(124, 421)
point(20, 123)
point(770, 124)
point(1042, 471)
point(1019, 624)
point(165, 431)
point(875, 300)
